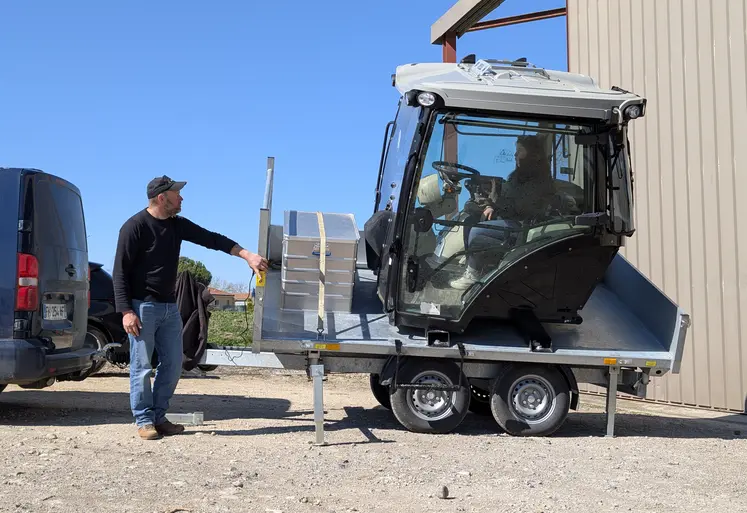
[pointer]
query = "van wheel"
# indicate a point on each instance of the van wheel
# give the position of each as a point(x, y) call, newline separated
point(431, 411)
point(530, 400)
point(380, 392)
point(96, 339)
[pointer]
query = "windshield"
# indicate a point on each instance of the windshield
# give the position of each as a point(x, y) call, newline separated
point(496, 189)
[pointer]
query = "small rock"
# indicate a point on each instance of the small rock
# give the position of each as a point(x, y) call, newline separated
point(317, 502)
point(444, 494)
point(212, 433)
point(238, 484)
point(51, 436)
point(465, 473)
point(304, 500)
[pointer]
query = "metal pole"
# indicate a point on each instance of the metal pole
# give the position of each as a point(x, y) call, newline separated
point(317, 373)
point(612, 400)
point(263, 251)
point(449, 48)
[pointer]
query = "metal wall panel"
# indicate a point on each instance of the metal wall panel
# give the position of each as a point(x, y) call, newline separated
point(689, 58)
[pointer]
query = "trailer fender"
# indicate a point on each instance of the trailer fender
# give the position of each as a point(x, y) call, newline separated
point(387, 371)
point(572, 384)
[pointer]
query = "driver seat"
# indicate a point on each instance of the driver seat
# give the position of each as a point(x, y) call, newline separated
point(450, 240)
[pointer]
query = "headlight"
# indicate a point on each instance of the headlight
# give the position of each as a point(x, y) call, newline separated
point(633, 111)
point(426, 99)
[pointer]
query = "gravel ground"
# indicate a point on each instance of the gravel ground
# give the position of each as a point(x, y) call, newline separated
point(73, 447)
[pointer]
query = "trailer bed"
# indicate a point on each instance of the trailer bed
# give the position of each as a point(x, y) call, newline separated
point(612, 328)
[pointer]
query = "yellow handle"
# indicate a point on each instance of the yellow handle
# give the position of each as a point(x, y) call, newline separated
point(261, 278)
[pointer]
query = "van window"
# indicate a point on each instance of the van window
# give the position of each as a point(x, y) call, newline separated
point(59, 217)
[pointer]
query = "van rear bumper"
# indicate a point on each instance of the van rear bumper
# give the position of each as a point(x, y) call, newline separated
point(22, 362)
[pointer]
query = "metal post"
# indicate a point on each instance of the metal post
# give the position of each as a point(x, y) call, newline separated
point(265, 220)
point(449, 48)
point(316, 370)
point(612, 400)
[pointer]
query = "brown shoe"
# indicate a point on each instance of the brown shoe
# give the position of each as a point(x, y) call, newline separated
point(148, 432)
point(167, 428)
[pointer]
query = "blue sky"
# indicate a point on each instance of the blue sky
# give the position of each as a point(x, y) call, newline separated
point(109, 95)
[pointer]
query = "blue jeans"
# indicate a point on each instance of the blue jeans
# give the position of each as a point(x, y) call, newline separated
point(162, 331)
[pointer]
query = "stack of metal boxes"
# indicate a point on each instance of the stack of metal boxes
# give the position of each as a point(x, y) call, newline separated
point(301, 252)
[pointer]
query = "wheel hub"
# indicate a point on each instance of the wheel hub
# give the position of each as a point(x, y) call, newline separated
point(431, 404)
point(532, 398)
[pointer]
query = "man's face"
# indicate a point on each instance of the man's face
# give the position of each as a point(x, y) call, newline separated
point(171, 202)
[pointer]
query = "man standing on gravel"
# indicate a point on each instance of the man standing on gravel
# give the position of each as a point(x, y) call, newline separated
point(145, 271)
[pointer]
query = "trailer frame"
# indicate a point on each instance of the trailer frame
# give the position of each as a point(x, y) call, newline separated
point(373, 346)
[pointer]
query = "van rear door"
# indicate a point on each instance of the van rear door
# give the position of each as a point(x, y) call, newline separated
point(61, 248)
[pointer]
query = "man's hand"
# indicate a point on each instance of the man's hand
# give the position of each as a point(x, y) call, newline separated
point(256, 262)
point(131, 324)
point(488, 213)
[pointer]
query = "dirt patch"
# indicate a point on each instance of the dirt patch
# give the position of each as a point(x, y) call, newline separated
point(73, 447)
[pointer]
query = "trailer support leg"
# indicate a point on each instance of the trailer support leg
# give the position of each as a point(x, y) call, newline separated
point(612, 400)
point(317, 373)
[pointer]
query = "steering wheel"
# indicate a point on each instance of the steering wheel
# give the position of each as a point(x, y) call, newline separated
point(454, 171)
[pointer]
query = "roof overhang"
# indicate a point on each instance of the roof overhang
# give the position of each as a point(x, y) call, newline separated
point(461, 17)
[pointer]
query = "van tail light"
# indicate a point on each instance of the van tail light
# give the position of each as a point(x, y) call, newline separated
point(27, 292)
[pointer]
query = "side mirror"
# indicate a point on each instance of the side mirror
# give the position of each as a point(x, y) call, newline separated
point(422, 220)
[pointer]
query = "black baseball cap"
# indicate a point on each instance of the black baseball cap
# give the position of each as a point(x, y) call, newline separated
point(162, 184)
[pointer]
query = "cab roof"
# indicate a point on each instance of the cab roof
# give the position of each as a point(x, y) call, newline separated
point(515, 87)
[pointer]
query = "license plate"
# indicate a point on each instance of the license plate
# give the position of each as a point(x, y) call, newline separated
point(55, 312)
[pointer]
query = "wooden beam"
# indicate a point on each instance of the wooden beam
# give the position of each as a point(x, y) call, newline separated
point(462, 15)
point(521, 18)
point(449, 48)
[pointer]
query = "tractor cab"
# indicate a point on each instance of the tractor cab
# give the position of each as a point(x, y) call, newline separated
point(504, 192)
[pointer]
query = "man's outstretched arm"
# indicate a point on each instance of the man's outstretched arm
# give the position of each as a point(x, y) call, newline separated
point(196, 234)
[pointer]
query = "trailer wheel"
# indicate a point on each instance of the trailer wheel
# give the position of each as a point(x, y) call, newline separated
point(380, 392)
point(479, 403)
point(429, 411)
point(530, 400)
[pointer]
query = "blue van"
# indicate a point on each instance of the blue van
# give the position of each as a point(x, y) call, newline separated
point(44, 289)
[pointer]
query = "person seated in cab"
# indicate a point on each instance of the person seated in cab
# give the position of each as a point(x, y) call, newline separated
point(497, 220)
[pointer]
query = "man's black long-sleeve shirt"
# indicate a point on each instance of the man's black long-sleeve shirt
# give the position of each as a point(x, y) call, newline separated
point(145, 266)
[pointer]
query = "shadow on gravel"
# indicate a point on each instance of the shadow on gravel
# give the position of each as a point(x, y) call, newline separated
point(728, 427)
point(74, 408)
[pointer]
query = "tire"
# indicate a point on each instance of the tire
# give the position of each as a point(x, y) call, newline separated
point(479, 403)
point(97, 339)
point(380, 392)
point(448, 409)
point(530, 400)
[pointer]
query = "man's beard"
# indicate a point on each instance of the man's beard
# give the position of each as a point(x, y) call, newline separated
point(172, 209)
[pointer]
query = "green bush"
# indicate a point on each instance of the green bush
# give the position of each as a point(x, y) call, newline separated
point(231, 328)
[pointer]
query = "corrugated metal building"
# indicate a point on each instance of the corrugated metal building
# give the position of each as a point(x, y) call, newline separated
point(689, 58)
